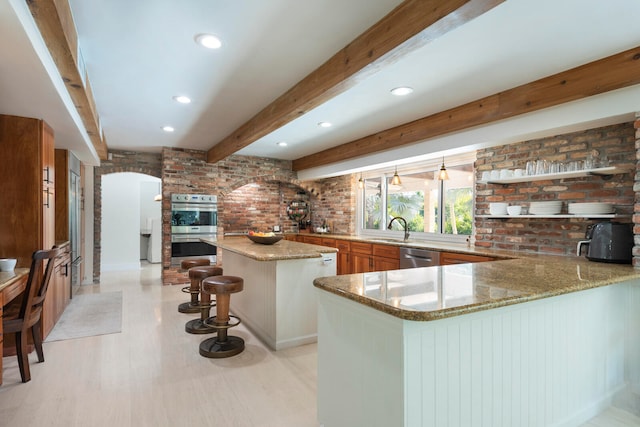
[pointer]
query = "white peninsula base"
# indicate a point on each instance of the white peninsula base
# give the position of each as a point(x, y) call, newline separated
point(279, 302)
point(551, 362)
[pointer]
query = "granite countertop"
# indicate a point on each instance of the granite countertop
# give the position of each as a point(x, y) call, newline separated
point(282, 250)
point(9, 277)
point(432, 293)
point(421, 244)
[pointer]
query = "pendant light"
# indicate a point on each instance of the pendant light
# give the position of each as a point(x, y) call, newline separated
point(396, 178)
point(443, 175)
point(361, 182)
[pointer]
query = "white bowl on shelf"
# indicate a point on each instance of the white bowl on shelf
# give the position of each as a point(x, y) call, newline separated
point(514, 210)
point(498, 208)
point(7, 264)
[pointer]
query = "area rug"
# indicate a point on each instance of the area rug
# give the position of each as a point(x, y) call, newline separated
point(88, 315)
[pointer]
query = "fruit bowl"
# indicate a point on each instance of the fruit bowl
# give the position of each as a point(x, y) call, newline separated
point(265, 240)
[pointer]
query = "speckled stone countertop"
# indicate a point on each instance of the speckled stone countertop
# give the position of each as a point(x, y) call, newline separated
point(282, 250)
point(432, 293)
point(413, 243)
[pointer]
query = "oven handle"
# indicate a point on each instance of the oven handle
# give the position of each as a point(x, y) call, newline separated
point(193, 207)
point(191, 238)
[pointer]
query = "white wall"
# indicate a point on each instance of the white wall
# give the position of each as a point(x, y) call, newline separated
point(149, 209)
point(121, 208)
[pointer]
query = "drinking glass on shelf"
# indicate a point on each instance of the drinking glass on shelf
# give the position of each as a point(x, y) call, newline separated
point(542, 167)
point(531, 167)
point(553, 167)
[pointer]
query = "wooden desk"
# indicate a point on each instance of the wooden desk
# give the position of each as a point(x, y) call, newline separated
point(12, 284)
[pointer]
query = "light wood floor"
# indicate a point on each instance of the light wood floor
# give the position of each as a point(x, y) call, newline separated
point(151, 374)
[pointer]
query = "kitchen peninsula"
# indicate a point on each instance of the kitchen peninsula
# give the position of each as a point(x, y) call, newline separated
point(537, 340)
point(278, 303)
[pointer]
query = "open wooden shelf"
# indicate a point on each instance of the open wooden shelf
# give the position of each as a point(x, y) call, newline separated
point(611, 170)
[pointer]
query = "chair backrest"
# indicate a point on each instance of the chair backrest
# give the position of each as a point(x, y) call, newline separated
point(37, 284)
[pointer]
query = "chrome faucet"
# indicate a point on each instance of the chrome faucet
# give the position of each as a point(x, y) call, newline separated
point(404, 224)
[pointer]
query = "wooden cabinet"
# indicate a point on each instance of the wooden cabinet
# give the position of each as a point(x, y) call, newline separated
point(448, 258)
point(27, 188)
point(291, 237)
point(313, 240)
point(59, 291)
point(361, 257)
point(386, 257)
point(344, 256)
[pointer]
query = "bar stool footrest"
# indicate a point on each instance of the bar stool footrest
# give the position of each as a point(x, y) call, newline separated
point(187, 290)
point(210, 321)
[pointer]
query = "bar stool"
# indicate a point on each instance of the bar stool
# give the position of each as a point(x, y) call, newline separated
point(222, 345)
point(197, 326)
point(191, 306)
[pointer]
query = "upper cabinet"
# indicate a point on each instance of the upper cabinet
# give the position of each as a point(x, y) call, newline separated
point(27, 187)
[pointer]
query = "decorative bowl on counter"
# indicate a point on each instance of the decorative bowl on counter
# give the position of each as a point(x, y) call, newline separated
point(7, 264)
point(265, 240)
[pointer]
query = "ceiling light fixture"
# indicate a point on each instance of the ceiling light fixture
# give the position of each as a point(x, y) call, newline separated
point(281, 144)
point(209, 41)
point(168, 128)
point(401, 91)
point(182, 99)
point(361, 182)
point(325, 124)
point(443, 175)
point(396, 178)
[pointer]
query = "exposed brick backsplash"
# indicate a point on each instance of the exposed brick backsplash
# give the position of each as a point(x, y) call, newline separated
point(547, 235)
point(636, 189)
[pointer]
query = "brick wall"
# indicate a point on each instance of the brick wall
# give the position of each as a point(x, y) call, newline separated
point(636, 188)
point(120, 161)
point(558, 236)
point(252, 194)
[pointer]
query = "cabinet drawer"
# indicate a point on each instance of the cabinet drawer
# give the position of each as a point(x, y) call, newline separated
point(313, 240)
point(447, 258)
point(361, 248)
point(329, 242)
point(386, 251)
point(343, 245)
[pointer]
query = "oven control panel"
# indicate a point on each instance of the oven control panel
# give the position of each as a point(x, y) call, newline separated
point(194, 198)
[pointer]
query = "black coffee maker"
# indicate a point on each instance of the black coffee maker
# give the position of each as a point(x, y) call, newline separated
point(608, 242)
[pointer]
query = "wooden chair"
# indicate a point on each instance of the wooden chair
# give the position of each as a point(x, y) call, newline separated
point(23, 313)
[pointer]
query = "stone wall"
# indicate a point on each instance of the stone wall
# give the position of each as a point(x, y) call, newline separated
point(548, 235)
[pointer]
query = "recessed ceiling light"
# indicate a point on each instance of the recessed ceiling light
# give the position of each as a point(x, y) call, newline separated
point(182, 99)
point(281, 144)
point(168, 128)
point(209, 41)
point(402, 91)
point(324, 124)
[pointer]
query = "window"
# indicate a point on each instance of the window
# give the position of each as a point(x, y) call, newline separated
point(418, 200)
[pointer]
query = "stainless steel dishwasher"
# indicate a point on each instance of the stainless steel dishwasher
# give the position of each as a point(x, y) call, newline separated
point(413, 257)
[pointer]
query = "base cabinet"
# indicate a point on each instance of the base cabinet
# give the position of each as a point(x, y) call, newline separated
point(449, 258)
point(59, 291)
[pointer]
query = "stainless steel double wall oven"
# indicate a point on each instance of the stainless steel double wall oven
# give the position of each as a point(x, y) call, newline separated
point(193, 217)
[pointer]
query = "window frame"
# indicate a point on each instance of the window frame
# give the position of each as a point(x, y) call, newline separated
point(385, 174)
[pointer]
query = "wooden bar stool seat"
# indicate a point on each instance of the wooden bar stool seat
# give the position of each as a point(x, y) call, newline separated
point(197, 326)
point(222, 345)
point(191, 306)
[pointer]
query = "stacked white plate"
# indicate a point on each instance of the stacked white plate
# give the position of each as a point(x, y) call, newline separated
point(590, 208)
point(545, 208)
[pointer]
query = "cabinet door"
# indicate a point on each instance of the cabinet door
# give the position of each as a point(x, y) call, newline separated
point(344, 257)
point(361, 263)
point(313, 240)
point(384, 264)
point(48, 187)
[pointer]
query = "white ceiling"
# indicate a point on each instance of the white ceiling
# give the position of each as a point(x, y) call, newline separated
point(140, 54)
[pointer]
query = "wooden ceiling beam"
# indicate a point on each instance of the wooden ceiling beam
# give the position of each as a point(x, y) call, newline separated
point(614, 72)
point(55, 22)
point(409, 26)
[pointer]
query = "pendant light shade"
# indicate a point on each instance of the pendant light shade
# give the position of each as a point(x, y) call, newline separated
point(396, 178)
point(361, 182)
point(443, 175)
